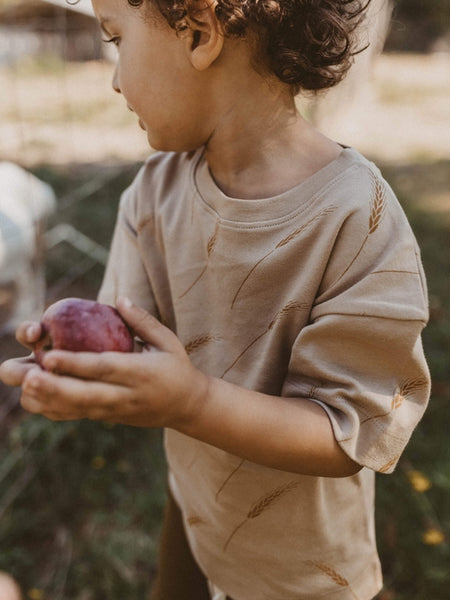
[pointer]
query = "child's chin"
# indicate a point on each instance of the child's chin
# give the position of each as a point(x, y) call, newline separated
point(163, 144)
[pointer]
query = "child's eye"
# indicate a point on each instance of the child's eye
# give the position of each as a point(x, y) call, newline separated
point(112, 40)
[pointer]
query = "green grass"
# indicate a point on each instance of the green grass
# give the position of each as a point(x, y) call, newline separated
point(80, 503)
point(413, 526)
point(85, 520)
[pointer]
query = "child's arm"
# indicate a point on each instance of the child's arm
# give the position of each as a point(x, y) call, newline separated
point(161, 388)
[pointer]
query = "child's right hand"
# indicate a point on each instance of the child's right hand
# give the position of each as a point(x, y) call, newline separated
point(13, 371)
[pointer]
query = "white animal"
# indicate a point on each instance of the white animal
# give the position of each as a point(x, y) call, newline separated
point(25, 203)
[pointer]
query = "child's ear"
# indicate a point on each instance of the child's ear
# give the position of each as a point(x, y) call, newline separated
point(205, 38)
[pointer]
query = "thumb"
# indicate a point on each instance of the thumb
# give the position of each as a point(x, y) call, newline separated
point(14, 370)
point(146, 326)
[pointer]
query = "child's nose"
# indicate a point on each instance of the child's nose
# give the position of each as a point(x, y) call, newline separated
point(115, 81)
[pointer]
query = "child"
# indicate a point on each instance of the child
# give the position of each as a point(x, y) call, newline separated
point(278, 291)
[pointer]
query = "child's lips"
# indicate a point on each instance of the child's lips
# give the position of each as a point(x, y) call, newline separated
point(141, 123)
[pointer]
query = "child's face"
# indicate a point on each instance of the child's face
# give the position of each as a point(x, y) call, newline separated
point(154, 74)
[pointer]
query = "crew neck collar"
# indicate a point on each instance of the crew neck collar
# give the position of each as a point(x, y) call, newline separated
point(274, 208)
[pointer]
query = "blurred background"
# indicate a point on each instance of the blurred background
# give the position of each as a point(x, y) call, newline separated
point(80, 503)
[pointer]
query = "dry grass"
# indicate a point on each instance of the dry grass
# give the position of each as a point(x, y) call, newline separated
point(63, 113)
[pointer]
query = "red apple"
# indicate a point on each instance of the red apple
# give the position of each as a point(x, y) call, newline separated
point(82, 325)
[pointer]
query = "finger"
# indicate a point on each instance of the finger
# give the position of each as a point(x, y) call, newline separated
point(65, 398)
point(146, 326)
point(108, 367)
point(13, 371)
point(28, 333)
point(31, 404)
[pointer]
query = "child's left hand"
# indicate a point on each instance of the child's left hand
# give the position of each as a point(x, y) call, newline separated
point(158, 387)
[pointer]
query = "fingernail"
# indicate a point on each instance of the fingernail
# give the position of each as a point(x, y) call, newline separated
point(33, 331)
point(49, 362)
point(125, 301)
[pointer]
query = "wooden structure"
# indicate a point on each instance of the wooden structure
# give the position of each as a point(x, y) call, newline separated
point(51, 27)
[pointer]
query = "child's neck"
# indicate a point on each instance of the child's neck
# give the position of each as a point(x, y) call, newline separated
point(262, 146)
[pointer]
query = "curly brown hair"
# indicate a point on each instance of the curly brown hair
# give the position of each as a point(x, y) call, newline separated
point(307, 44)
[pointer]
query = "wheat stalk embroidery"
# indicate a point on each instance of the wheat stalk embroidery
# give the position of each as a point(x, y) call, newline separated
point(195, 520)
point(332, 574)
point(148, 221)
point(389, 464)
point(313, 391)
point(209, 249)
point(284, 242)
point(405, 389)
point(290, 307)
point(400, 394)
point(404, 271)
point(199, 342)
point(261, 505)
point(377, 209)
point(229, 477)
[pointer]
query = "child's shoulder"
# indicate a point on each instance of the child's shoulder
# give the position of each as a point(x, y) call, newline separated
point(364, 203)
point(162, 174)
point(168, 160)
point(359, 183)
point(355, 171)
point(163, 168)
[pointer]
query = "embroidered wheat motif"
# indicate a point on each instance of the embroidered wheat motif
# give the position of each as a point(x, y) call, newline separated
point(397, 401)
point(371, 418)
point(412, 385)
point(395, 271)
point(400, 394)
point(377, 209)
point(313, 392)
point(332, 574)
point(378, 205)
point(263, 504)
point(235, 470)
point(209, 249)
point(199, 342)
point(284, 242)
point(405, 389)
point(143, 224)
point(194, 520)
point(389, 464)
point(290, 307)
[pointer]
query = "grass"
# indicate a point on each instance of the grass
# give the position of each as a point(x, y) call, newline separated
point(80, 503)
point(413, 520)
point(84, 520)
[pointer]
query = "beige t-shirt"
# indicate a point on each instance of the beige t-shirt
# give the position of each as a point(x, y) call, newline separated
point(319, 293)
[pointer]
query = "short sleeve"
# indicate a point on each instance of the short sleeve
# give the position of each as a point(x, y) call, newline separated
point(361, 356)
point(125, 272)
